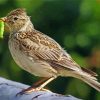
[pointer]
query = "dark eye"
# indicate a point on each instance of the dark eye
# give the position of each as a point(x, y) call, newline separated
point(15, 18)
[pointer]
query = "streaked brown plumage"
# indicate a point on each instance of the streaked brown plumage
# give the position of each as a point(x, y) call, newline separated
point(39, 54)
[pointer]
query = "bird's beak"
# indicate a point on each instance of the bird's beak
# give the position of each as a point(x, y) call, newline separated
point(4, 19)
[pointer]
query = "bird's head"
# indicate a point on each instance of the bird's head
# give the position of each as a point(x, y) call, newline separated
point(17, 20)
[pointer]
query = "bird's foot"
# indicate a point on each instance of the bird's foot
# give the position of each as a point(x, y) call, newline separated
point(28, 90)
point(31, 89)
point(36, 87)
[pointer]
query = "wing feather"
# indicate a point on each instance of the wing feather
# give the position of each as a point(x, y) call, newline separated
point(47, 49)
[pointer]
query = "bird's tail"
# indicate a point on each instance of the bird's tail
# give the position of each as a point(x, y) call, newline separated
point(92, 83)
point(89, 77)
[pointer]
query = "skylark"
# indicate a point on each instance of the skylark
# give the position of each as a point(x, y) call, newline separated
point(40, 55)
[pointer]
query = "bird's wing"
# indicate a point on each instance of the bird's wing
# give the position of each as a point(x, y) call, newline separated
point(45, 48)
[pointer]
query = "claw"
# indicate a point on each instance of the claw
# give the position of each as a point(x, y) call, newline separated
point(28, 90)
point(19, 93)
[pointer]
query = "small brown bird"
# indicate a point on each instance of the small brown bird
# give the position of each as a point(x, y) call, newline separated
point(40, 55)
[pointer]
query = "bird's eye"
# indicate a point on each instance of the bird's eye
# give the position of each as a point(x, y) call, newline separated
point(15, 18)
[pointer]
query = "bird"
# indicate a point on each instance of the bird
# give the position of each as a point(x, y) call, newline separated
point(40, 55)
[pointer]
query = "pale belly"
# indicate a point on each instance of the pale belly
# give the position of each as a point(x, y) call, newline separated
point(38, 68)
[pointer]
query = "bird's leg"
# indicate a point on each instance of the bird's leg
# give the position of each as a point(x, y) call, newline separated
point(37, 86)
point(45, 83)
point(38, 83)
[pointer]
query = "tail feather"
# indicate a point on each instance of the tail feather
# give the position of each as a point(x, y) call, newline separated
point(93, 83)
point(89, 71)
point(89, 77)
point(85, 75)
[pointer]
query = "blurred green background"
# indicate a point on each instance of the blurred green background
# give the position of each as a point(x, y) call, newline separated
point(75, 24)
